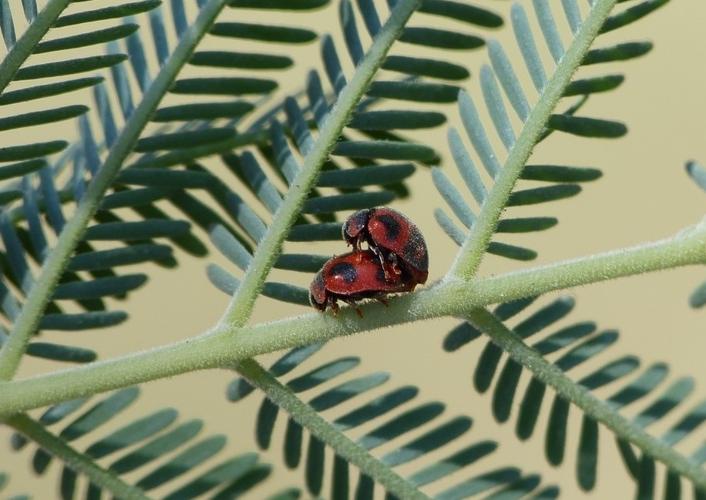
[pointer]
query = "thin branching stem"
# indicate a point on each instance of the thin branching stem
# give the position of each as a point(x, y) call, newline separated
point(307, 417)
point(473, 249)
point(269, 248)
point(551, 375)
point(226, 345)
point(28, 41)
point(75, 460)
point(53, 267)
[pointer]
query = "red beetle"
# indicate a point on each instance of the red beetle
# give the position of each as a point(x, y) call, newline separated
point(352, 277)
point(395, 239)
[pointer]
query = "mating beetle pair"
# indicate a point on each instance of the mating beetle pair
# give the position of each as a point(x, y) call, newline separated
point(396, 260)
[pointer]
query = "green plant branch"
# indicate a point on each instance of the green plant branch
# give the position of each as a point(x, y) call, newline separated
point(307, 417)
point(595, 408)
point(473, 249)
point(225, 345)
point(24, 47)
point(269, 248)
point(75, 460)
point(53, 267)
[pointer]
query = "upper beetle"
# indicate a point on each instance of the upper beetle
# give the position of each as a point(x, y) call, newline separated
point(394, 238)
point(352, 277)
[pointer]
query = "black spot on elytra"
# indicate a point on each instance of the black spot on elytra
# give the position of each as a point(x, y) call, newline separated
point(415, 253)
point(345, 271)
point(392, 227)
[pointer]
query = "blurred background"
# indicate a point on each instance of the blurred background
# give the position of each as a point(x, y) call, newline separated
point(644, 195)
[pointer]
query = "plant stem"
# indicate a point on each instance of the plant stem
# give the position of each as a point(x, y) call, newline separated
point(28, 41)
point(548, 373)
point(75, 460)
point(228, 344)
point(473, 249)
point(307, 417)
point(53, 267)
point(269, 248)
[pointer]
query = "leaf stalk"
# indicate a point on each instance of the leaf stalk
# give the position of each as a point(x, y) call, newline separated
point(471, 253)
point(270, 247)
point(53, 267)
point(307, 417)
point(75, 460)
point(595, 408)
point(228, 344)
point(28, 41)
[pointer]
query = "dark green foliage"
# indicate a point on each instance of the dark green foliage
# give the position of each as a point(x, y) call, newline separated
point(594, 85)
point(370, 155)
point(471, 14)
point(240, 60)
point(141, 444)
point(41, 117)
point(440, 38)
point(263, 33)
point(69, 66)
point(425, 67)
point(414, 91)
point(99, 287)
point(118, 11)
point(31, 151)
point(632, 14)
point(223, 86)
point(86, 39)
point(620, 52)
point(191, 138)
point(576, 345)
point(587, 127)
point(204, 111)
point(364, 171)
point(499, 81)
point(393, 419)
point(385, 120)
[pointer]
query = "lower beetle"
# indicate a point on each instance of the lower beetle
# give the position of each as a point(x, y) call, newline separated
point(352, 277)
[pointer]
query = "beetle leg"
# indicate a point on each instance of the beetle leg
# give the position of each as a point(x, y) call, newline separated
point(386, 268)
point(334, 306)
point(392, 257)
point(390, 267)
point(354, 305)
point(383, 301)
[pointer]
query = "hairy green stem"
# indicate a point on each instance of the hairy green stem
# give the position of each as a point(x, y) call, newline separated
point(77, 461)
point(28, 41)
point(231, 344)
point(597, 409)
point(307, 417)
point(473, 249)
point(53, 267)
point(269, 248)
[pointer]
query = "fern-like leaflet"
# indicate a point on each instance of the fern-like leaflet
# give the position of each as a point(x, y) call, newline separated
point(356, 162)
point(393, 414)
point(85, 162)
point(570, 347)
point(500, 84)
point(492, 200)
point(156, 448)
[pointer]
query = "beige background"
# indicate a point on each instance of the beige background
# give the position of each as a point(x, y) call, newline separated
point(644, 195)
